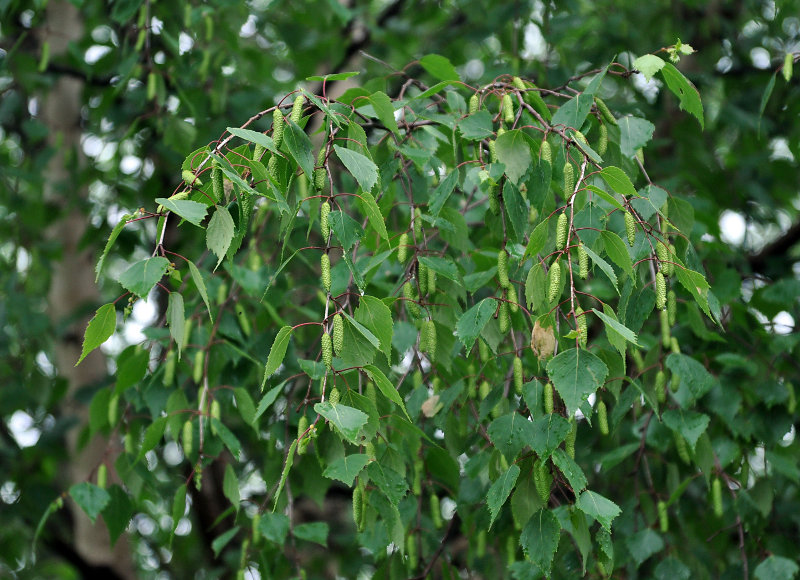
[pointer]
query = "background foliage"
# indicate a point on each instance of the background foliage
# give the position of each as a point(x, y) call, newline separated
point(159, 81)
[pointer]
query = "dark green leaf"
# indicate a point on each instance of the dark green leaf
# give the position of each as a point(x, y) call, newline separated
point(576, 374)
point(471, 323)
point(573, 112)
point(777, 568)
point(477, 126)
point(300, 147)
point(385, 387)
point(277, 352)
point(373, 214)
point(571, 470)
point(510, 433)
point(634, 134)
point(201, 286)
point(254, 137)
point(228, 438)
point(692, 374)
point(373, 314)
point(118, 513)
point(689, 424)
point(384, 110)
point(442, 192)
point(274, 527)
point(99, 330)
point(618, 181)
point(223, 540)
point(176, 320)
point(514, 152)
point(110, 243)
point(347, 420)
point(91, 499)
point(644, 544)
point(539, 539)
point(685, 91)
point(601, 509)
point(392, 484)
point(499, 492)
point(346, 468)
point(348, 231)
point(617, 250)
point(618, 327)
point(230, 486)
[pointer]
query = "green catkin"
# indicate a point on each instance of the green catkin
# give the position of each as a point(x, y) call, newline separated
point(511, 549)
point(402, 249)
point(297, 109)
point(671, 264)
point(474, 104)
point(583, 262)
point(681, 448)
point(278, 123)
point(113, 410)
point(272, 167)
point(334, 396)
point(508, 109)
point(357, 506)
point(417, 224)
point(187, 439)
point(542, 479)
point(661, 291)
point(216, 410)
point(422, 277)
point(483, 351)
point(302, 426)
point(602, 141)
point(169, 368)
point(605, 112)
point(480, 548)
point(546, 152)
point(222, 295)
point(320, 173)
point(548, 398)
point(504, 317)
point(569, 179)
point(582, 326)
point(370, 393)
point(661, 386)
point(327, 350)
point(569, 442)
point(630, 228)
point(663, 517)
point(494, 200)
point(410, 295)
point(501, 130)
point(197, 368)
point(325, 272)
point(674, 346)
point(431, 282)
point(716, 497)
point(518, 375)
point(190, 178)
point(502, 269)
point(429, 339)
point(791, 401)
point(493, 151)
point(102, 476)
point(217, 188)
point(561, 231)
point(662, 255)
point(483, 390)
point(580, 137)
point(338, 333)
point(324, 220)
point(554, 282)
point(674, 382)
point(436, 511)
point(672, 307)
point(663, 317)
point(258, 152)
point(602, 417)
point(511, 296)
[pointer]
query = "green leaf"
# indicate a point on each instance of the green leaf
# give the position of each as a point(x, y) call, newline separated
point(571, 470)
point(300, 147)
point(176, 320)
point(514, 152)
point(548, 433)
point(634, 134)
point(276, 353)
point(274, 527)
point(316, 532)
point(373, 214)
point(442, 192)
point(573, 112)
point(143, 275)
point(333, 77)
point(373, 314)
point(220, 233)
point(685, 91)
point(346, 468)
point(776, 568)
point(601, 509)
point(392, 484)
point(604, 195)
point(228, 438)
point(152, 436)
point(648, 65)
point(539, 539)
point(603, 265)
point(197, 278)
point(693, 375)
point(443, 266)
point(471, 323)
point(384, 110)
point(517, 210)
point(477, 126)
point(537, 240)
point(110, 243)
point(360, 166)
point(386, 387)
point(347, 420)
point(764, 99)
point(439, 67)
point(193, 212)
point(617, 250)
point(254, 137)
point(697, 286)
point(671, 568)
point(348, 231)
point(363, 330)
point(100, 328)
point(644, 544)
point(90, 498)
point(118, 512)
point(618, 181)
point(617, 326)
point(499, 492)
point(689, 424)
point(230, 486)
point(510, 433)
point(576, 374)
point(223, 540)
point(178, 507)
point(287, 466)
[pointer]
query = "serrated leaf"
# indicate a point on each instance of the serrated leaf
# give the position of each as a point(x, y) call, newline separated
point(477, 126)
point(601, 509)
point(118, 512)
point(604, 195)
point(316, 532)
point(300, 147)
point(143, 275)
point(91, 499)
point(347, 420)
point(360, 167)
point(439, 67)
point(274, 527)
point(197, 278)
point(176, 320)
point(634, 134)
point(254, 137)
point(644, 544)
point(373, 214)
point(618, 181)
point(193, 212)
point(692, 374)
point(346, 468)
point(392, 484)
point(376, 316)
point(386, 387)
point(384, 110)
point(697, 286)
point(471, 323)
point(573, 113)
point(537, 240)
point(510, 433)
point(648, 65)
point(617, 251)
point(685, 91)
point(442, 192)
point(112, 237)
point(223, 540)
point(230, 486)
point(776, 568)
point(219, 233)
point(539, 539)
point(443, 266)
point(499, 492)
point(689, 424)
point(576, 374)
point(548, 433)
point(347, 230)
point(603, 265)
point(100, 328)
point(276, 353)
point(571, 470)
point(178, 507)
point(516, 209)
point(514, 152)
point(287, 466)
point(152, 436)
point(617, 326)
